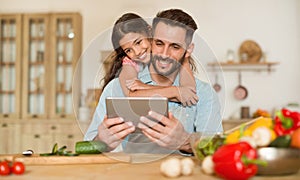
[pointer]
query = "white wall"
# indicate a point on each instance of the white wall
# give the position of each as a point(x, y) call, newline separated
point(224, 24)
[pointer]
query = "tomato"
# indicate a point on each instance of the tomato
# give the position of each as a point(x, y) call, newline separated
point(4, 168)
point(18, 168)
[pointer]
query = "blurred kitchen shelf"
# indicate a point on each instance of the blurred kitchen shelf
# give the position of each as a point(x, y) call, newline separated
point(243, 66)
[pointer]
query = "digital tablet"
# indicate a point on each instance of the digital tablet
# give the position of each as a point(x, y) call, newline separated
point(132, 108)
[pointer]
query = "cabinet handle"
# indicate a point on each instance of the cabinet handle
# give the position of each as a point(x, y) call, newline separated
point(37, 136)
point(53, 127)
point(5, 115)
point(62, 115)
point(34, 116)
point(70, 136)
point(4, 125)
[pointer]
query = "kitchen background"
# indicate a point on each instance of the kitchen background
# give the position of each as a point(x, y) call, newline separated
point(223, 24)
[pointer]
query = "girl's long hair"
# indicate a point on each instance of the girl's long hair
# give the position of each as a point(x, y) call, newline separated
point(127, 23)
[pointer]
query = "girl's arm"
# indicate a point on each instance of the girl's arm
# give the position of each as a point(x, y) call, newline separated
point(184, 94)
point(186, 75)
point(128, 72)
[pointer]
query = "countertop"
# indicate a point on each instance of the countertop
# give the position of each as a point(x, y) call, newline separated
point(142, 166)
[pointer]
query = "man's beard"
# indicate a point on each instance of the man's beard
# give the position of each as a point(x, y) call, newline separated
point(175, 65)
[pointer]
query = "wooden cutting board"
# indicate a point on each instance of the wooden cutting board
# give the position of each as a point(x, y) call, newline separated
point(81, 159)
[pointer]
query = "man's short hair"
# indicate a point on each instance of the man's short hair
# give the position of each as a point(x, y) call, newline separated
point(177, 17)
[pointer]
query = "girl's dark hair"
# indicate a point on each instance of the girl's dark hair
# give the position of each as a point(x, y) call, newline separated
point(127, 23)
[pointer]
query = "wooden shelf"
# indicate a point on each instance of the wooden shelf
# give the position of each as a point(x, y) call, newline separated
point(6, 63)
point(37, 38)
point(37, 63)
point(64, 62)
point(7, 92)
point(37, 92)
point(8, 38)
point(63, 38)
point(243, 66)
point(64, 91)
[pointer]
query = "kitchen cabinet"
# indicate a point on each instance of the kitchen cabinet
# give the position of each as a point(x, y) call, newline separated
point(39, 53)
point(52, 47)
point(46, 134)
point(10, 65)
point(9, 134)
point(40, 136)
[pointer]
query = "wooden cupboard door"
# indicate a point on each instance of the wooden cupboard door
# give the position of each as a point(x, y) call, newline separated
point(36, 66)
point(10, 65)
point(66, 51)
point(9, 138)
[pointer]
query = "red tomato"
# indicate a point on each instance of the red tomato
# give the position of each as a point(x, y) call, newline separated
point(4, 168)
point(18, 168)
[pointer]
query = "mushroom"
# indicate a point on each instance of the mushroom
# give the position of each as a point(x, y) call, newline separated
point(187, 166)
point(262, 136)
point(171, 167)
point(208, 165)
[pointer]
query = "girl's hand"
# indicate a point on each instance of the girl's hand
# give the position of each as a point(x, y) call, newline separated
point(136, 84)
point(187, 96)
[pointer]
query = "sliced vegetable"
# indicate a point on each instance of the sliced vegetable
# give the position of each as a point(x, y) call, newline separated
point(54, 149)
point(90, 147)
point(62, 151)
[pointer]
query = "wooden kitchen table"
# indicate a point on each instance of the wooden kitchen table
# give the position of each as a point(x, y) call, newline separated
point(117, 170)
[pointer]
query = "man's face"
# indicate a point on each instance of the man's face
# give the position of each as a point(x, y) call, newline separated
point(168, 48)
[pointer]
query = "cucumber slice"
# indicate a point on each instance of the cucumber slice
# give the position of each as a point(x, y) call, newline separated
point(54, 149)
point(90, 147)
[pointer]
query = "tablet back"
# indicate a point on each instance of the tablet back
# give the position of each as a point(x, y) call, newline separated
point(131, 108)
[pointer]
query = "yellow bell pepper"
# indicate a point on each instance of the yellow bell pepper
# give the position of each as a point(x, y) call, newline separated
point(262, 122)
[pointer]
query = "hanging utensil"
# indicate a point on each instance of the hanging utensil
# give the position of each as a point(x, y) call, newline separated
point(217, 86)
point(240, 92)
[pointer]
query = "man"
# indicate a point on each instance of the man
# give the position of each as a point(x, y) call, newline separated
point(172, 35)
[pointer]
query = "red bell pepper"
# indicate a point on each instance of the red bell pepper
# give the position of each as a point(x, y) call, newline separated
point(286, 122)
point(236, 161)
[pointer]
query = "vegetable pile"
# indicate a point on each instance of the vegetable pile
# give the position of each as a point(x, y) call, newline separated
point(236, 156)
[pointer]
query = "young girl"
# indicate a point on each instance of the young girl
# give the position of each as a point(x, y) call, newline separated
point(132, 47)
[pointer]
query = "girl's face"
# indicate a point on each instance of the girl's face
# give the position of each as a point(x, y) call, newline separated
point(137, 47)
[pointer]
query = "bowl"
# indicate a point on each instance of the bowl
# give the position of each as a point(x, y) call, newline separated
point(280, 161)
point(205, 143)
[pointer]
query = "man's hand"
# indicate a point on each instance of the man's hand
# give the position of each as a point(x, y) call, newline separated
point(187, 96)
point(170, 134)
point(113, 131)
